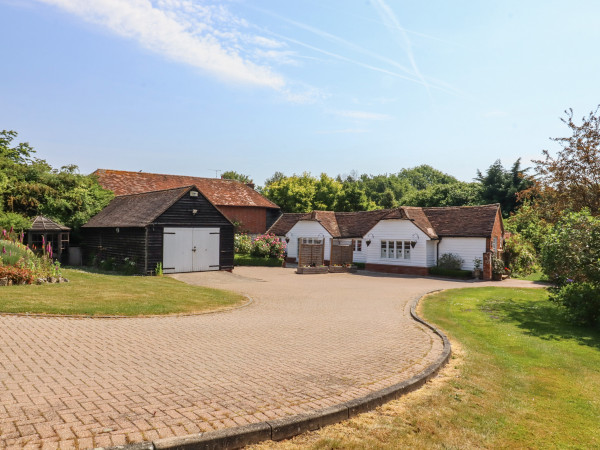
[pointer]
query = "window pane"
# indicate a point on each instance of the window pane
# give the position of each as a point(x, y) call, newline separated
point(359, 245)
point(398, 249)
point(407, 249)
point(384, 249)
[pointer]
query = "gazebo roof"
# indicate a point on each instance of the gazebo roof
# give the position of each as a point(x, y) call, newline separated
point(43, 223)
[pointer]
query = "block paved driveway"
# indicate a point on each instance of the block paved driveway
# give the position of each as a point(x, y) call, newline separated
point(305, 343)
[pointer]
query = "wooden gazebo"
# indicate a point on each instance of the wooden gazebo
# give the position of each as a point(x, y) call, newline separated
point(47, 230)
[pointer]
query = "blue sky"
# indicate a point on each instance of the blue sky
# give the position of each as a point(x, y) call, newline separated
point(257, 86)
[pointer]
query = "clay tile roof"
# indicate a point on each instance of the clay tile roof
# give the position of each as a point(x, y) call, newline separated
point(328, 221)
point(285, 222)
point(463, 221)
point(357, 224)
point(418, 217)
point(43, 223)
point(219, 192)
point(136, 210)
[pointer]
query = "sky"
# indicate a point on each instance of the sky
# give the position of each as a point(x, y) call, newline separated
point(196, 87)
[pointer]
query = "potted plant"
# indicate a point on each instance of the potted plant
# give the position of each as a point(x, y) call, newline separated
point(477, 268)
point(498, 269)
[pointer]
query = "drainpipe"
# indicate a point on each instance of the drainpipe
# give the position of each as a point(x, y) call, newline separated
point(437, 248)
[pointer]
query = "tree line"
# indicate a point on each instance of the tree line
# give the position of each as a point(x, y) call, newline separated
point(419, 186)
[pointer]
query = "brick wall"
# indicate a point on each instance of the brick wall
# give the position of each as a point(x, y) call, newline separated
point(253, 219)
point(389, 268)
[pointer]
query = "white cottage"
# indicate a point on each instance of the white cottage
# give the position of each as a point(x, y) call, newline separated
point(401, 240)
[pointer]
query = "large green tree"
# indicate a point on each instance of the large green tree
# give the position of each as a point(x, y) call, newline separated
point(499, 185)
point(30, 186)
point(233, 175)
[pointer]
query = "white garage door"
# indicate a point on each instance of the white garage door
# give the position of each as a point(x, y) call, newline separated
point(190, 249)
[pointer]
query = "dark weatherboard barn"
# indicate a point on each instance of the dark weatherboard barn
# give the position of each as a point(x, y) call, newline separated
point(178, 228)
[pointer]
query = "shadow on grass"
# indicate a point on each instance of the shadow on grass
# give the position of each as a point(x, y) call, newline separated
point(545, 320)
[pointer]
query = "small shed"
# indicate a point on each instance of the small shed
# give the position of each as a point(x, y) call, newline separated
point(179, 228)
point(46, 231)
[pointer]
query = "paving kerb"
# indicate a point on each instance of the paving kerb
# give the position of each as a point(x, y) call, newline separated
point(288, 427)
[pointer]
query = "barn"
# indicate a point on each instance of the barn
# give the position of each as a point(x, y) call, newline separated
point(178, 228)
point(239, 202)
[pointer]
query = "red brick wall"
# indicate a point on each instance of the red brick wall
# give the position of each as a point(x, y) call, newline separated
point(253, 219)
point(388, 268)
point(497, 232)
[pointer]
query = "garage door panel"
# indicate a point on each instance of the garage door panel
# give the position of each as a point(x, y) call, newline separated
point(191, 249)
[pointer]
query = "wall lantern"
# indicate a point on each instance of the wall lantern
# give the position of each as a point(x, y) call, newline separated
point(369, 238)
point(117, 230)
point(415, 239)
point(287, 239)
point(194, 212)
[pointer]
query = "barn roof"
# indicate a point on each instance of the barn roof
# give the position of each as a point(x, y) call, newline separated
point(219, 192)
point(43, 223)
point(457, 221)
point(136, 210)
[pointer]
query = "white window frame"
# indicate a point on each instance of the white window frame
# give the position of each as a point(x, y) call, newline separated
point(398, 250)
point(358, 245)
point(311, 240)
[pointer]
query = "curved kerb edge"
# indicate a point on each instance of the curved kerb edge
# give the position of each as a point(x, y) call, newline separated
point(287, 427)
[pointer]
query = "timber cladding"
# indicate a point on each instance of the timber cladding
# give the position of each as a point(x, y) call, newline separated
point(133, 227)
point(341, 254)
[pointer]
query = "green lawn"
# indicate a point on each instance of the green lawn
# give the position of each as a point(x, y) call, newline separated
point(102, 294)
point(535, 276)
point(524, 378)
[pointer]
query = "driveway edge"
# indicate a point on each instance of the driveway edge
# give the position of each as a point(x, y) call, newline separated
point(288, 427)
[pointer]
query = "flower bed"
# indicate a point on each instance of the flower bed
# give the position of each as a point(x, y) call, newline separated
point(20, 265)
point(312, 270)
point(342, 269)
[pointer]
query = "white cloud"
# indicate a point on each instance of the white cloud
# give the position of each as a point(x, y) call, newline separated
point(208, 37)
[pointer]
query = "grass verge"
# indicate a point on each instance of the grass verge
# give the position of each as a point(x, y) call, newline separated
point(247, 260)
point(96, 294)
point(522, 377)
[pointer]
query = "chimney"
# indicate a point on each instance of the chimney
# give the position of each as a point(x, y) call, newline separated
point(250, 185)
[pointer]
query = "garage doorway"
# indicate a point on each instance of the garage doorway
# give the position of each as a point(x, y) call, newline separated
point(190, 249)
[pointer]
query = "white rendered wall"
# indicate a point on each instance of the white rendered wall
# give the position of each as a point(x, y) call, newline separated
point(467, 248)
point(360, 257)
point(431, 253)
point(307, 228)
point(396, 230)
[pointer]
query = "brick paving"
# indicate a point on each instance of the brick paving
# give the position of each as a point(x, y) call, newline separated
point(305, 343)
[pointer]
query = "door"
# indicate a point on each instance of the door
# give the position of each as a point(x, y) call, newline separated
point(190, 249)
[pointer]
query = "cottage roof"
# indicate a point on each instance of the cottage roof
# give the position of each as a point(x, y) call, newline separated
point(463, 221)
point(136, 210)
point(457, 221)
point(43, 223)
point(219, 192)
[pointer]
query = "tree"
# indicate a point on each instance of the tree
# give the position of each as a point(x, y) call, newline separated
point(292, 194)
point(502, 186)
point(327, 190)
point(353, 198)
point(30, 186)
point(571, 180)
point(233, 175)
point(454, 194)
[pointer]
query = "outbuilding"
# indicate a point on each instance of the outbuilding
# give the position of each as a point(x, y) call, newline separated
point(178, 228)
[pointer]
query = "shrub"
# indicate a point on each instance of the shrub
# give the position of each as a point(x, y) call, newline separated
point(454, 273)
point(520, 255)
point(581, 300)
point(450, 261)
point(268, 246)
point(247, 260)
point(572, 250)
point(360, 265)
point(13, 251)
point(242, 244)
point(498, 266)
point(17, 275)
point(128, 267)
